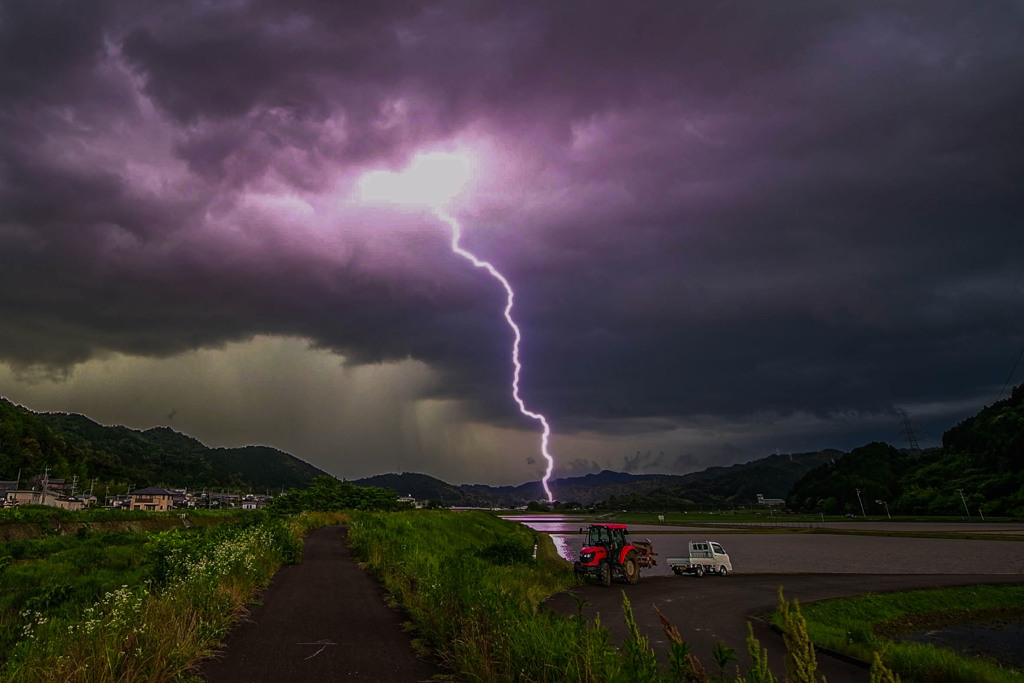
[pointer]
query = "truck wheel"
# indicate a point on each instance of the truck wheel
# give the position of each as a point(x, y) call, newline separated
point(723, 571)
point(605, 574)
point(699, 571)
point(631, 568)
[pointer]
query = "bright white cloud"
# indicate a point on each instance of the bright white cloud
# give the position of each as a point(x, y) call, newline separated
point(432, 179)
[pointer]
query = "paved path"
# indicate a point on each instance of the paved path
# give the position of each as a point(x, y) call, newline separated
point(716, 609)
point(322, 619)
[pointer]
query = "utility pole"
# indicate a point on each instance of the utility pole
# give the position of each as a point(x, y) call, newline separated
point(908, 431)
point(862, 513)
point(882, 502)
point(964, 501)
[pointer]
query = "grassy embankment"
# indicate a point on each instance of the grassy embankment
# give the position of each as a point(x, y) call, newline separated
point(474, 594)
point(133, 605)
point(865, 625)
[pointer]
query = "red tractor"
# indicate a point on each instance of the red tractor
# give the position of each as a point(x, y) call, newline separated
point(606, 555)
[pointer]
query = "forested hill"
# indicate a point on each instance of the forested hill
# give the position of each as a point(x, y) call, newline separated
point(74, 445)
point(981, 457)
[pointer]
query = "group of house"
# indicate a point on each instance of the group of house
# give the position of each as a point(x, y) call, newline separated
point(61, 494)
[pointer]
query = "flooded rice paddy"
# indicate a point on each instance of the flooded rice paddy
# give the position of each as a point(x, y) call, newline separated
point(812, 553)
point(1002, 642)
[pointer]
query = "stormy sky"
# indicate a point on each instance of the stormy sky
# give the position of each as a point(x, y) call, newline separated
point(733, 228)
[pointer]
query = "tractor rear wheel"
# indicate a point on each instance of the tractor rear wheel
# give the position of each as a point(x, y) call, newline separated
point(605, 574)
point(631, 568)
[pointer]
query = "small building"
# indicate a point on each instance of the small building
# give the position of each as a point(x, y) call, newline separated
point(44, 498)
point(118, 502)
point(179, 498)
point(770, 502)
point(22, 497)
point(154, 499)
point(44, 481)
point(66, 503)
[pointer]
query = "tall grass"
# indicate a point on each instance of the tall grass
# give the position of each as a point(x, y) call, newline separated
point(477, 608)
point(865, 625)
point(187, 589)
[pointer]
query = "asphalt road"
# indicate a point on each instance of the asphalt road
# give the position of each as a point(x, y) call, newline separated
point(322, 619)
point(716, 609)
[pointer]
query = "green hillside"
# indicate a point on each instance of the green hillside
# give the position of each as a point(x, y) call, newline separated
point(74, 445)
point(982, 458)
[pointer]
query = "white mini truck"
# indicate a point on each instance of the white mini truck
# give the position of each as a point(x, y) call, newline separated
point(706, 557)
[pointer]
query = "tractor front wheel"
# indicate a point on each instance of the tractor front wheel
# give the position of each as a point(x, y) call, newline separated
point(631, 568)
point(606, 574)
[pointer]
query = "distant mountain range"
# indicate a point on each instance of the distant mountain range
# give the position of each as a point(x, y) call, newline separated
point(772, 476)
point(978, 468)
point(73, 445)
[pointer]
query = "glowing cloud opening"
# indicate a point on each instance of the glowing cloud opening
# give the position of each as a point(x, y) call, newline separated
point(433, 180)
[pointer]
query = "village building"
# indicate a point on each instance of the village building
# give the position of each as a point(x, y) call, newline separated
point(50, 498)
point(770, 502)
point(154, 499)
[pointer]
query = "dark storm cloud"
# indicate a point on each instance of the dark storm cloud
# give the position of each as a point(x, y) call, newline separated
point(45, 45)
point(720, 209)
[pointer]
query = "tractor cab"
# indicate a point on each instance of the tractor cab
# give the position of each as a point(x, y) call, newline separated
point(606, 535)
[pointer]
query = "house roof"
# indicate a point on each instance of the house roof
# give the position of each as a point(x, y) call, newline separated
point(152, 491)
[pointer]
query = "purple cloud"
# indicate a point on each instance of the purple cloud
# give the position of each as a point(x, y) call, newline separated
point(707, 210)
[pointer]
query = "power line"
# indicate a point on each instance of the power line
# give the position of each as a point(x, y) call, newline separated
point(1020, 355)
point(1010, 377)
point(908, 431)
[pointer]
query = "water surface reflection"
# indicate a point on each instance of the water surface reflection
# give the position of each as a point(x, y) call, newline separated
point(807, 553)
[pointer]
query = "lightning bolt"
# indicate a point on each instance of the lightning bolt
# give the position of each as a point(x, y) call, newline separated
point(518, 337)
